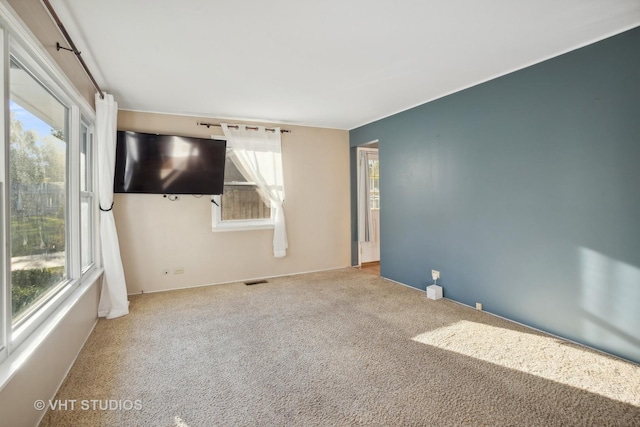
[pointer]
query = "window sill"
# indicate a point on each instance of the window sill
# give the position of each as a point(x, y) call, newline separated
point(10, 366)
point(242, 225)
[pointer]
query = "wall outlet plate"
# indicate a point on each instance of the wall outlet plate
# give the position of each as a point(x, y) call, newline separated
point(479, 306)
point(435, 274)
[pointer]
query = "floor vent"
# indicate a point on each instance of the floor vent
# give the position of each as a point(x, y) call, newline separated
point(255, 282)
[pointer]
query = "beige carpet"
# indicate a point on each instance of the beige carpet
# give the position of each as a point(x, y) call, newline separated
point(334, 348)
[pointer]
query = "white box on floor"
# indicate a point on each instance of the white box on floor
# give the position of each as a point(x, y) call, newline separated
point(434, 292)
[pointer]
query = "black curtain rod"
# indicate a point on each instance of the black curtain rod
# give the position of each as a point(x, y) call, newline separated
point(73, 49)
point(208, 125)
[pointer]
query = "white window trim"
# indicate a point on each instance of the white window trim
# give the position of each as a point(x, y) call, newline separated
point(91, 193)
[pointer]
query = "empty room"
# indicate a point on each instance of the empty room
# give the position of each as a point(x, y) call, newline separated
point(321, 213)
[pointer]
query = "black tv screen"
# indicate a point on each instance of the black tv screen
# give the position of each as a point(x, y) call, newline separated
point(166, 164)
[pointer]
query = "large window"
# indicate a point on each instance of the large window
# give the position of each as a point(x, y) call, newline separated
point(46, 193)
point(38, 192)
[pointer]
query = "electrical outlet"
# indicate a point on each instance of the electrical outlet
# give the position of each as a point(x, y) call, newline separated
point(435, 274)
point(178, 270)
point(479, 306)
point(165, 272)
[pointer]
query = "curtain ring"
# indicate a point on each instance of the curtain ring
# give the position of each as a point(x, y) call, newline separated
point(106, 210)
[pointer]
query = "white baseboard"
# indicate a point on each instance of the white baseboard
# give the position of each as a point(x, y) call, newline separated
point(238, 280)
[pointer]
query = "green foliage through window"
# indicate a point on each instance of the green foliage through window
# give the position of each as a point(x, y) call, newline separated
point(28, 285)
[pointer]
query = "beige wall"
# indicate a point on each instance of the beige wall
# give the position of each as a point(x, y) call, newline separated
point(157, 234)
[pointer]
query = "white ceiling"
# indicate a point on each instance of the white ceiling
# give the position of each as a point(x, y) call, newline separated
point(326, 63)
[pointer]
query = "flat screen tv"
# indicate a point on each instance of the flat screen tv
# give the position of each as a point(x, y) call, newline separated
point(167, 164)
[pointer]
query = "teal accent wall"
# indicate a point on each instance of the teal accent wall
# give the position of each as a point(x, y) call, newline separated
point(524, 192)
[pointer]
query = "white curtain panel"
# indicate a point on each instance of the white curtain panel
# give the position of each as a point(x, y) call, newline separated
point(258, 156)
point(113, 297)
point(364, 208)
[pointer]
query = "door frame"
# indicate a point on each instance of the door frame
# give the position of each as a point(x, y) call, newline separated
point(371, 146)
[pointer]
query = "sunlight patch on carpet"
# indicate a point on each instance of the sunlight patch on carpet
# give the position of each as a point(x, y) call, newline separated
point(179, 422)
point(543, 356)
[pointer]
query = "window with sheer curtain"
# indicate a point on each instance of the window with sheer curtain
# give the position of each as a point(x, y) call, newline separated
point(254, 185)
point(241, 199)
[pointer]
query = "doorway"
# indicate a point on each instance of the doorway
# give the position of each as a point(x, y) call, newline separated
point(369, 208)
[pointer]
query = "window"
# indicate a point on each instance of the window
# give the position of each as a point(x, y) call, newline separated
point(46, 192)
point(241, 206)
point(86, 198)
point(374, 182)
point(38, 192)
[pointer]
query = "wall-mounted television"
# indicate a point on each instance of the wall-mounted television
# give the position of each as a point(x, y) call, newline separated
point(168, 164)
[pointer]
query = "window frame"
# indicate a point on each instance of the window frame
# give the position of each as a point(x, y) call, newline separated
point(35, 315)
point(18, 340)
point(220, 225)
point(89, 193)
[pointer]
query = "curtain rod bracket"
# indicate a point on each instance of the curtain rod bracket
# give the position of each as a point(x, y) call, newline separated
point(59, 46)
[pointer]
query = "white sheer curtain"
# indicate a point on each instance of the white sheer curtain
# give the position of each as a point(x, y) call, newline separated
point(364, 206)
point(113, 297)
point(258, 156)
